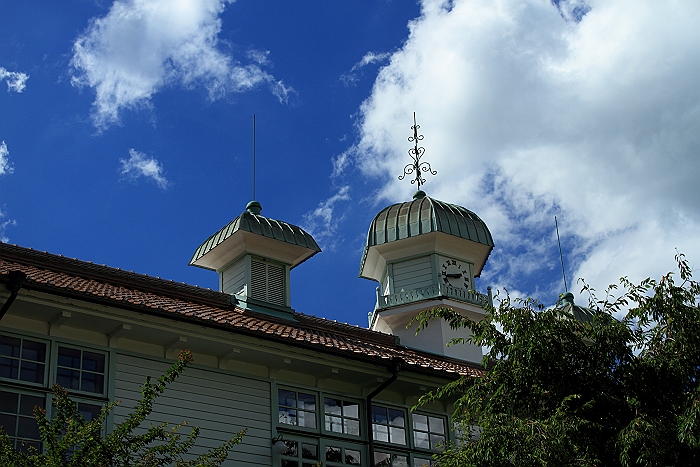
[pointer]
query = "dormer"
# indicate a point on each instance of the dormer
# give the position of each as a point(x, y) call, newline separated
point(253, 256)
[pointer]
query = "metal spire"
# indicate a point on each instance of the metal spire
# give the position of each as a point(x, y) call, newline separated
point(416, 153)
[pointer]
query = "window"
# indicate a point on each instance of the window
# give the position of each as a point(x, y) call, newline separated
point(80, 370)
point(428, 431)
point(17, 418)
point(388, 425)
point(22, 360)
point(422, 462)
point(300, 454)
point(36, 365)
point(385, 459)
point(339, 455)
point(341, 416)
point(297, 408)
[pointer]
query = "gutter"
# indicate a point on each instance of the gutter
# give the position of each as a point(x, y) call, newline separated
point(395, 370)
point(14, 285)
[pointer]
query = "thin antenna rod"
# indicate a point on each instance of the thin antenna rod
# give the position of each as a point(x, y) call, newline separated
point(561, 257)
point(253, 158)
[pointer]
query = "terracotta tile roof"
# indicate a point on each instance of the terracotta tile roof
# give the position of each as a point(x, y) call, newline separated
point(92, 282)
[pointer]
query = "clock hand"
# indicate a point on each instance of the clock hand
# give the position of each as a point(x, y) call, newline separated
point(456, 276)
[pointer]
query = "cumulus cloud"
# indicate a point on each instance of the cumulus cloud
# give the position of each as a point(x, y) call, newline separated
point(141, 165)
point(5, 165)
point(322, 222)
point(590, 111)
point(141, 46)
point(16, 81)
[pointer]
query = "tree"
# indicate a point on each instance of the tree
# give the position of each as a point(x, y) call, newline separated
point(558, 391)
point(71, 441)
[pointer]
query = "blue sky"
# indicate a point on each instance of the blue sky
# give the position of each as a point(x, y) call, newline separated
point(127, 131)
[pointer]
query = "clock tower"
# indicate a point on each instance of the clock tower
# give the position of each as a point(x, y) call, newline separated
point(426, 253)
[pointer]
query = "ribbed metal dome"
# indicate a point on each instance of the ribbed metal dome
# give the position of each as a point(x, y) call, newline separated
point(251, 221)
point(424, 215)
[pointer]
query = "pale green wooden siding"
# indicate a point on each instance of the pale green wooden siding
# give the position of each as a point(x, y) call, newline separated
point(411, 274)
point(233, 278)
point(219, 404)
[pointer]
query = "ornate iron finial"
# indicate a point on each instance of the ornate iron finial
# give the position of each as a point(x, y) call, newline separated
point(416, 153)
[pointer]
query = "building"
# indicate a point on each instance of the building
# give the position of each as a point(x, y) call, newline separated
point(330, 391)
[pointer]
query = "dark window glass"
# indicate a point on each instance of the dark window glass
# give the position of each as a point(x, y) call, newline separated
point(309, 451)
point(352, 457)
point(334, 454)
point(9, 424)
point(17, 419)
point(8, 402)
point(388, 425)
point(69, 379)
point(287, 398)
point(69, 357)
point(9, 346)
point(342, 416)
point(89, 411)
point(22, 359)
point(81, 370)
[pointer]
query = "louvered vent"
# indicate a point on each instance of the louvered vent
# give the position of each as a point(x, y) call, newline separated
point(267, 282)
point(275, 284)
point(258, 280)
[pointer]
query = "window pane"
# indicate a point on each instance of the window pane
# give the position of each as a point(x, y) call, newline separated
point(27, 403)
point(35, 351)
point(288, 463)
point(94, 362)
point(437, 425)
point(9, 346)
point(399, 461)
point(92, 382)
point(334, 424)
point(379, 414)
point(307, 402)
point(69, 357)
point(8, 423)
point(89, 411)
point(351, 409)
point(422, 462)
point(288, 416)
point(307, 419)
point(420, 422)
point(352, 427)
point(287, 398)
point(69, 379)
point(32, 372)
point(331, 406)
point(396, 417)
point(9, 368)
point(380, 432)
point(27, 429)
point(309, 451)
point(292, 448)
point(8, 402)
point(333, 454)
point(397, 435)
point(421, 440)
point(436, 440)
point(352, 457)
point(382, 459)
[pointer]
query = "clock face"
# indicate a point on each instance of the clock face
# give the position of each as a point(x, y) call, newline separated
point(455, 274)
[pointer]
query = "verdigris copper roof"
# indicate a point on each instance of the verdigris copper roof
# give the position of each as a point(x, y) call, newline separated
point(251, 221)
point(580, 313)
point(424, 215)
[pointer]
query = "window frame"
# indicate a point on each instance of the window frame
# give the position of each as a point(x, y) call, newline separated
point(47, 377)
point(105, 374)
point(322, 444)
point(14, 438)
point(407, 434)
point(428, 415)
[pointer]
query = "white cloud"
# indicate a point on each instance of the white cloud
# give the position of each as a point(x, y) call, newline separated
point(5, 165)
point(141, 46)
point(16, 81)
point(528, 113)
point(322, 222)
point(369, 58)
point(140, 165)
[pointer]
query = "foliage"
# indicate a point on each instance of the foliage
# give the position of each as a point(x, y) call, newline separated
point(558, 391)
point(70, 441)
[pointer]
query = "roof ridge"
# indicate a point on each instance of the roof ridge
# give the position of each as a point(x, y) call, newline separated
point(115, 276)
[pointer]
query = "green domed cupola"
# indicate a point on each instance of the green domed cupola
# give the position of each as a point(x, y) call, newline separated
point(426, 253)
